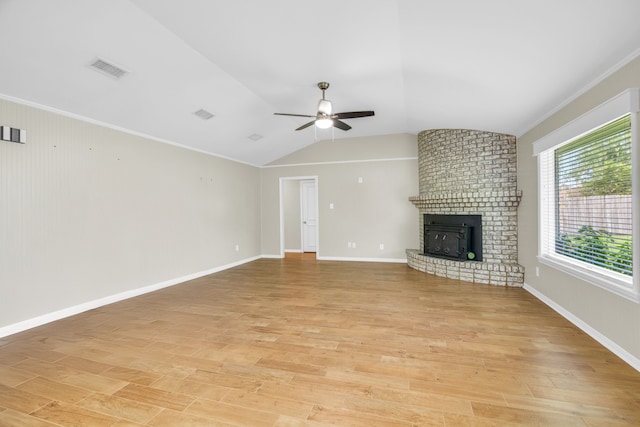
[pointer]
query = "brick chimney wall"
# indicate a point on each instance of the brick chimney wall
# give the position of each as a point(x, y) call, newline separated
point(471, 172)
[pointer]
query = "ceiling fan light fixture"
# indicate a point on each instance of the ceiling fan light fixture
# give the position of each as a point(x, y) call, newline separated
point(324, 123)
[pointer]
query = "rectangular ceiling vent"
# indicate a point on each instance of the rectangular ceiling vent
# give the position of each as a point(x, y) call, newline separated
point(107, 68)
point(203, 114)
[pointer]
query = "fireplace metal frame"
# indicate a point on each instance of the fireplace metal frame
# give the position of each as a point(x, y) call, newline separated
point(466, 229)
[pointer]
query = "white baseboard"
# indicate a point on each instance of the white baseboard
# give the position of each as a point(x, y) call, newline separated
point(295, 251)
point(610, 345)
point(338, 258)
point(90, 305)
point(360, 259)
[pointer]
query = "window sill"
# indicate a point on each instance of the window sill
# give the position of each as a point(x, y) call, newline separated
point(611, 284)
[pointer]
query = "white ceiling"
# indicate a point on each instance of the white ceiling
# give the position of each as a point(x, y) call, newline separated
point(496, 65)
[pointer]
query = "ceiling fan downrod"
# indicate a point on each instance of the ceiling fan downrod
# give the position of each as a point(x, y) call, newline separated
point(323, 86)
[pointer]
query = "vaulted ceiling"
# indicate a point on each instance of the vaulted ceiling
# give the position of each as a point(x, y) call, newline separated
point(496, 65)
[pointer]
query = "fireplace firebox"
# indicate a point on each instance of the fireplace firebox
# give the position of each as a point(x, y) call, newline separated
point(456, 237)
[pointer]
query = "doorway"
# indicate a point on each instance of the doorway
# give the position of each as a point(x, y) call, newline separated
point(299, 225)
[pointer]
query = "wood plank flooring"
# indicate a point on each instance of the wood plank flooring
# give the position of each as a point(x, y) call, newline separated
point(300, 342)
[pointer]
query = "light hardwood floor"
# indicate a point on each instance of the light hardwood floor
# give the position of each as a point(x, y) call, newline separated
point(299, 342)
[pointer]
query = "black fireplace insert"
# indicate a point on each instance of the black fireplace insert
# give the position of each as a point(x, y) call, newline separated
point(456, 237)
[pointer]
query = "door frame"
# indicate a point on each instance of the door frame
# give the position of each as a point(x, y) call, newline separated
point(281, 205)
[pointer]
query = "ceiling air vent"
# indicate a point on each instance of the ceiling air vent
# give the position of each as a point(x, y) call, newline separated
point(203, 114)
point(108, 69)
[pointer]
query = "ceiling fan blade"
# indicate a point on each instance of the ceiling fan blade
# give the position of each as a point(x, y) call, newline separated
point(353, 114)
point(306, 125)
point(341, 125)
point(294, 115)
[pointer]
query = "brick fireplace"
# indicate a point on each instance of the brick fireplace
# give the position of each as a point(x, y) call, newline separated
point(470, 172)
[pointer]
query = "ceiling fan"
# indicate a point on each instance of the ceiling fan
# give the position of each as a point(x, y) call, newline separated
point(324, 119)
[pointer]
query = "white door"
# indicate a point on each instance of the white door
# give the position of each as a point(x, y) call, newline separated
point(309, 220)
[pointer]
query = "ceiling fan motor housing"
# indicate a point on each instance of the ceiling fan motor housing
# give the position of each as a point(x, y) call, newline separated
point(324, 107)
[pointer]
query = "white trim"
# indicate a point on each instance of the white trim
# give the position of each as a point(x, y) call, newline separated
point(626, 60)
point(542, 195)
point(591, 276)
point(117, 128)
point(90, 305)
point(352, 259)
point(593, 333)
point(624, 103)
point(635, 196)
point(627, 102)
point(293, 251)
point(340, 162)
point(361, 259)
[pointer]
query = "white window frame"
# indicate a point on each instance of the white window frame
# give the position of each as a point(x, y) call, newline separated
point(627, 102)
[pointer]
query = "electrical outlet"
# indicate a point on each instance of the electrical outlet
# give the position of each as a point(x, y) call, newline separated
point(348, 244)
point(330, 205)
point(360, 180)
point(382, 246)
point(237, 248)
point(353, 244)
point(537, 271)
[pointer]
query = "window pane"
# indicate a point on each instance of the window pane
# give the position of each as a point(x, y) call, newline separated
point(593, 194)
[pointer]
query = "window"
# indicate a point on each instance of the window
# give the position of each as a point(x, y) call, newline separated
point(586, 198)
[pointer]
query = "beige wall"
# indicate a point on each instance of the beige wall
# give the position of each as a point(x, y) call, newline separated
point(613, 317)
point(380, 147)
point(369, 213)
point(87, 212)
